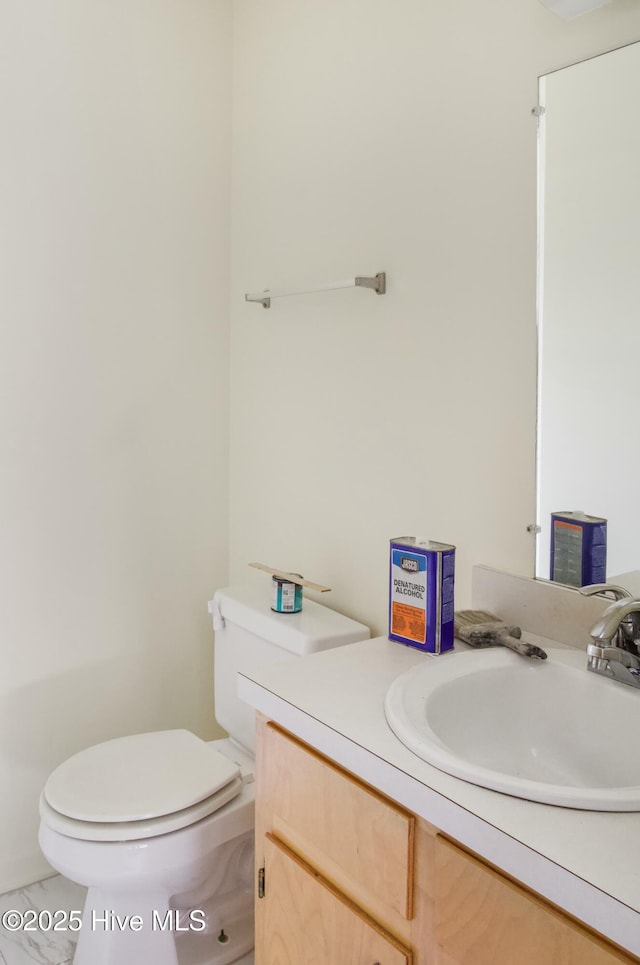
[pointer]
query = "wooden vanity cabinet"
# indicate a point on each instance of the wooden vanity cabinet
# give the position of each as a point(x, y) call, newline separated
point(485, 918)
point(306, 919)
point(348, 877)
point(344, 867)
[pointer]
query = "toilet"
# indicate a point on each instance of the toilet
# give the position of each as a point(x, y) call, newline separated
point(159, 826)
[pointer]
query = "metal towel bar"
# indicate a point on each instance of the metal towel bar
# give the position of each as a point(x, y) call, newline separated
point(378, 283)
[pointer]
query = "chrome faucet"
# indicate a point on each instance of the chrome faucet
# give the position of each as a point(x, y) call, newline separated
point(615, 648)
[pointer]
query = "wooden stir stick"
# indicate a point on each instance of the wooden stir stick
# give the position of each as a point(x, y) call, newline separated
point(292, 578)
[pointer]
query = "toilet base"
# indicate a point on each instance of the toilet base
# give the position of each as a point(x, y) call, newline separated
point(229, 935)
point(217, 932)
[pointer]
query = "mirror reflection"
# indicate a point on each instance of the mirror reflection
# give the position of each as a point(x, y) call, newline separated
point(588, 305)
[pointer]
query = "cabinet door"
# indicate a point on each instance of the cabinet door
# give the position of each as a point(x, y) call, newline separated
point(484, 918)
point(307, 921)
point(347, 831)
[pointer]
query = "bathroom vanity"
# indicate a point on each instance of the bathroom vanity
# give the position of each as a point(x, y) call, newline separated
point(369, 851)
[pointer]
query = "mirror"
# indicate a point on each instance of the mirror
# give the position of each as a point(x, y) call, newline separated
point(589, 304)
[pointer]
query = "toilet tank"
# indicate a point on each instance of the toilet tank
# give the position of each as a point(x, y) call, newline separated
point(249, 634)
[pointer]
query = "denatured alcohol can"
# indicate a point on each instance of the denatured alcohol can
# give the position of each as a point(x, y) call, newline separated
point(578, 548)
point(421, 582)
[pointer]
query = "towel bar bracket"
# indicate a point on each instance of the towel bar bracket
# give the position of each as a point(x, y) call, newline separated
point(378, 283)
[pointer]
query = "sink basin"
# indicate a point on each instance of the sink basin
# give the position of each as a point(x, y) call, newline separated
point(547, 731)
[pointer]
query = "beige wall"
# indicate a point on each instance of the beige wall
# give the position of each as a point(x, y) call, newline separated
point(397, 136)
point(114, 193)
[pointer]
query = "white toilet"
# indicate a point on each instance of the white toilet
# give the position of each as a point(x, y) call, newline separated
point(159, 826)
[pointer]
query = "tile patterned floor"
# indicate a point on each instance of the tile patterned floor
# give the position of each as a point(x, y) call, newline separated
point(41, 946)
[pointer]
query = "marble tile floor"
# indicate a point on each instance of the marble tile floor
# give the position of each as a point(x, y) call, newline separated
point(42, 946)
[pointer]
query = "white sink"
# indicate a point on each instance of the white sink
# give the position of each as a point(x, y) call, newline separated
point(547, 731)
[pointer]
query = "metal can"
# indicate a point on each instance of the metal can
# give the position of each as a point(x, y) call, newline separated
point(421, 581)
point(287, 596)
point(578, 548)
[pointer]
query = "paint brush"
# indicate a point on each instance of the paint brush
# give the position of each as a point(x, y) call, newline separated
point(481, 629)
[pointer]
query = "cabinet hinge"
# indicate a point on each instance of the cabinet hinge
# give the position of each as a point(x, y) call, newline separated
point(261, 883)
point(538, 110)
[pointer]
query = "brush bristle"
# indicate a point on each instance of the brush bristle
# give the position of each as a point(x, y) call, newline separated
point(469, 617)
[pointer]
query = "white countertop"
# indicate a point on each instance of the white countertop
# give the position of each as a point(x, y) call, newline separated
point(586, 862)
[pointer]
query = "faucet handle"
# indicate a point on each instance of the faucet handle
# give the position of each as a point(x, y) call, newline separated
point(617, 592)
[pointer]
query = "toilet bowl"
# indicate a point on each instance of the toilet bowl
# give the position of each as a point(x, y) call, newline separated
point(159, 826)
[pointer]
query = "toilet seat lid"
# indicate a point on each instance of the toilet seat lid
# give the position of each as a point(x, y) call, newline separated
point(138, 778)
